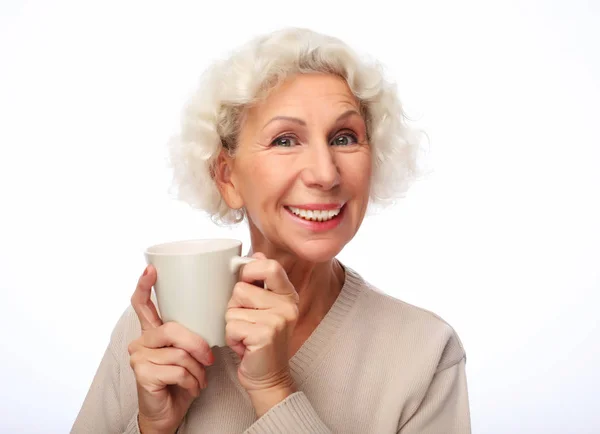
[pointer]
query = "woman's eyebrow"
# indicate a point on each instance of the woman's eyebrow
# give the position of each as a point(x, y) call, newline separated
point(285, 118)
point(346, 114)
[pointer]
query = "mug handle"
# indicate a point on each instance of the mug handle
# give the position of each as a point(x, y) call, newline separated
point(238, 261)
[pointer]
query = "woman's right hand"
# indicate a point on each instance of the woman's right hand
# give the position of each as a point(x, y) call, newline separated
point(168, 361)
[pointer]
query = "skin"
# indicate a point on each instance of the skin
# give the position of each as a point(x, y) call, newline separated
point(263, 178)
point(306, 143)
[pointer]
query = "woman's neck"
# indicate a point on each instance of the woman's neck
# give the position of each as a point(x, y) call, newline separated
point(317, 284)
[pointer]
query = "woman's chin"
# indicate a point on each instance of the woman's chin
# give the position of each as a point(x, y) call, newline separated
point(317, 251)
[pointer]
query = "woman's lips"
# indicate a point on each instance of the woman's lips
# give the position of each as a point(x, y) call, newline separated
point(318, 206)
point(315, 225)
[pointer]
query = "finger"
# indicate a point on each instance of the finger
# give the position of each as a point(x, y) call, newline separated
point(172, 334)
point(261, 283)
point(236, 332)
point(141, 302)
point(237, 346)
point(155, 377)
point(247, 334)
point(251, 296)
point(177, 357)
point(273, 320)
point(271, 273)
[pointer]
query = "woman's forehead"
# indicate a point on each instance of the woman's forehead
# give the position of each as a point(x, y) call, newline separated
point(305, 95)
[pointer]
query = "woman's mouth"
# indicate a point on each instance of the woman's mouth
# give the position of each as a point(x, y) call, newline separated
point(315, 215)
point(317, 219)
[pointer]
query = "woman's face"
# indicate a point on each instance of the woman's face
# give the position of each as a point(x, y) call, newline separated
point(302, 169)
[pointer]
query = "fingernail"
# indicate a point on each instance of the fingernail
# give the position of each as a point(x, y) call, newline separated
point(145, 271)
point(211, 358)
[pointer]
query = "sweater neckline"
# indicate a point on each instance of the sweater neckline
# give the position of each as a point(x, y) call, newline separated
point(319, 342)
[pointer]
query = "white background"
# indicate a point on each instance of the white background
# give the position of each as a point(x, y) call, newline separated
point(501, 240)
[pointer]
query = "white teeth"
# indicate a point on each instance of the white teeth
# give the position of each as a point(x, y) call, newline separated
point(315, 215)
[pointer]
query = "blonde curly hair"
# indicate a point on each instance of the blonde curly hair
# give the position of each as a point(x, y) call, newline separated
point(213, 115)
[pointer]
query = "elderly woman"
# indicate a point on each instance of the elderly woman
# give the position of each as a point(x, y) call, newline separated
point(296, 135)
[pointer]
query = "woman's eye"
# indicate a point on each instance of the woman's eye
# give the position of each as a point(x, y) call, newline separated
point(344, 140)
point(284, 141)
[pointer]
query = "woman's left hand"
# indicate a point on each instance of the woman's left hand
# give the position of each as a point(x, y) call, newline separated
point(259, 329)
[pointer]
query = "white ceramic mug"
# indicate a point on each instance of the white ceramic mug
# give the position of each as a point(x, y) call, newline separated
point(195, 280)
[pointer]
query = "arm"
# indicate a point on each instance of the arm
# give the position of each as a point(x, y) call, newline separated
point(101, 410)
point(445, 407)
point(293, 415)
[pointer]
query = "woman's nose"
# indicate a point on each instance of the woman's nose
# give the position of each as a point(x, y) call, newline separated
point(321, 169)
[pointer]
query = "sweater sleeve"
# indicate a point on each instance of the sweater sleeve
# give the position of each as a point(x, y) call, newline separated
point(101, 410)
point(293, 415)
point(445, 407)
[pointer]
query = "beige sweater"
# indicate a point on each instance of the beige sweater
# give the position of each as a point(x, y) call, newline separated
point(373, 365)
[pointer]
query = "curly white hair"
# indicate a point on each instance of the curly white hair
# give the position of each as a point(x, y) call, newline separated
point(213, 115)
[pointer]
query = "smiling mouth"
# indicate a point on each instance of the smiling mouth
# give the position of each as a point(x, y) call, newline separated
point(315, 215)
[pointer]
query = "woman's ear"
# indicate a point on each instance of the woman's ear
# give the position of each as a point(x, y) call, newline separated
point(225, 180)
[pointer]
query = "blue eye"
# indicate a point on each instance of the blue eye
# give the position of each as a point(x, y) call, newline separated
point(344, 140)
point(284, 142)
